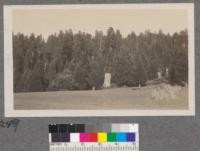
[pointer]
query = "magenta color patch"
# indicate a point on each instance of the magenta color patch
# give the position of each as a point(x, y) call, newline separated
point(84, 137)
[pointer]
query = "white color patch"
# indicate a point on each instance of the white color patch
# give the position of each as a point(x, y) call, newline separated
point(50, 138)
point(115, 128)
point(124, 127)
point(74, 137)
point(133, 127)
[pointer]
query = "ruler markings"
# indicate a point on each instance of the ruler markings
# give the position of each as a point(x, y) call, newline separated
point(80, 137)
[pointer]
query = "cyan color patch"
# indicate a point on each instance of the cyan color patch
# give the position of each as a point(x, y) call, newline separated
point(121, 137)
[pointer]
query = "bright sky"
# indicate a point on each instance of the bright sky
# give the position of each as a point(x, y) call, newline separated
point(49, 21)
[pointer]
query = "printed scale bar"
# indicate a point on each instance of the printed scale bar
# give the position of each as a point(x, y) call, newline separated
point(93, 147)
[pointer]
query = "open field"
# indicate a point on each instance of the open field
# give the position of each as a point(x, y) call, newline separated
point(162, 96)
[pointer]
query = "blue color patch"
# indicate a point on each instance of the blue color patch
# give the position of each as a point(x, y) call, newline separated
point(121, 137)
point(130, 137)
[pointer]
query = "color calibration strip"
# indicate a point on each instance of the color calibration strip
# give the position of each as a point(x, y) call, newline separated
point(93, 137)
point(89, 137)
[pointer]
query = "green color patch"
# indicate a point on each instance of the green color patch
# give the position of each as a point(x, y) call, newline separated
point(111, 137)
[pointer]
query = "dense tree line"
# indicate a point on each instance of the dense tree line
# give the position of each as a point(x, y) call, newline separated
point(78, 61)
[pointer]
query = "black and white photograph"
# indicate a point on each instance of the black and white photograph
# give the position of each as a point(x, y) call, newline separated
point(99, 60)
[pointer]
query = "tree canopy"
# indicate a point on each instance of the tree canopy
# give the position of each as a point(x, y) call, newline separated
point(78, 61)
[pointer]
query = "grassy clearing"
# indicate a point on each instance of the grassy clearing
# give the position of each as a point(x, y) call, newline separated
point(161, 96)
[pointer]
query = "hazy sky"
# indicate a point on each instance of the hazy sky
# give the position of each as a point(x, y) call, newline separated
point(46, 22)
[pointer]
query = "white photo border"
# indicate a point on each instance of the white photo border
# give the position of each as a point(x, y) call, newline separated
point(8, 65)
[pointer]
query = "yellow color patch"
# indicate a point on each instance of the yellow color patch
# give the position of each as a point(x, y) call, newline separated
point(102, 137)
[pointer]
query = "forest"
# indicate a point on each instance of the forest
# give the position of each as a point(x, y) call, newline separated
point(78, 61)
